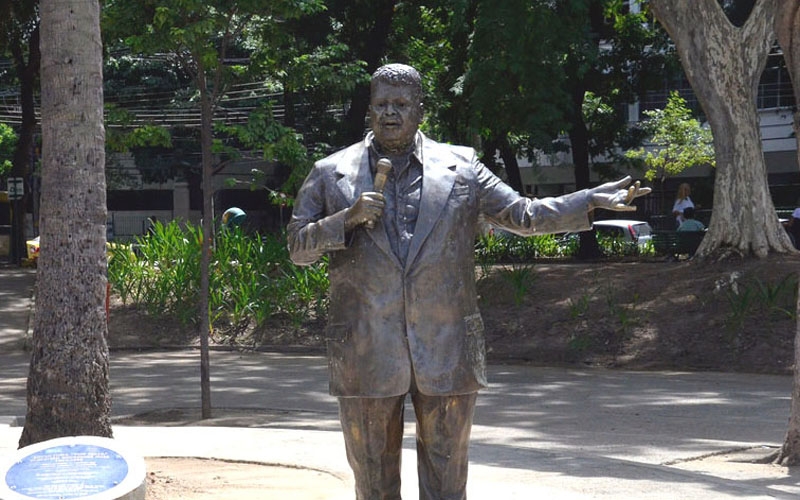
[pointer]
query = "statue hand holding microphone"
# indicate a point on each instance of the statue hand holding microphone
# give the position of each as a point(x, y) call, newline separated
point(368, 207)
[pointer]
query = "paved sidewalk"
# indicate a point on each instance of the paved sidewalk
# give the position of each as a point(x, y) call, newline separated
point(550, 433)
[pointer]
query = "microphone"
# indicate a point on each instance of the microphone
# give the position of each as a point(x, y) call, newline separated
point(382, 169)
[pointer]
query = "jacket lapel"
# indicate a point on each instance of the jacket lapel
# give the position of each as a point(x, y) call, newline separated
point(438, 177)
point(354, 178)
point(353, 174)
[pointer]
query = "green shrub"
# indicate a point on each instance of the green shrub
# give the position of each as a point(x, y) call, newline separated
point(251, 279)
point(503, 248)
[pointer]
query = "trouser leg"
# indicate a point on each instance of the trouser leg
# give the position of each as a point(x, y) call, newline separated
point(373, 436)
point(443, 429)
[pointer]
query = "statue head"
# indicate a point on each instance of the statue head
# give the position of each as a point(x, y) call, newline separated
point(395, 108)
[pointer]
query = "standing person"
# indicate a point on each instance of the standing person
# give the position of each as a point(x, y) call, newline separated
point(403, 308)
point(682, 201)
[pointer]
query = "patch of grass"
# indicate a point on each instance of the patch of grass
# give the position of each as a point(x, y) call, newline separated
point(520, 277)
point(580, 306)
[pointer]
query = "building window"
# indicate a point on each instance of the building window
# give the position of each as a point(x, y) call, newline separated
point(775, 88)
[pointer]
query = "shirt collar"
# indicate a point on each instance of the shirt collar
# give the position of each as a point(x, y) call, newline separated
point(374, 155)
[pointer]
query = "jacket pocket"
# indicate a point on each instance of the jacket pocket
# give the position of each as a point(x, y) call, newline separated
point(475, 343)
point(336, 338)
point(475, 347)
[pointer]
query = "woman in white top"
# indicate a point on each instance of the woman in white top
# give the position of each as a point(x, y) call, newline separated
point(682, 200)
point(793, 226)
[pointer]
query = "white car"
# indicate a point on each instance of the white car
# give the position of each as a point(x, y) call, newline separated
point(633, 231)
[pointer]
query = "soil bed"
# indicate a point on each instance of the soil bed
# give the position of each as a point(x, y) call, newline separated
point(736, 315)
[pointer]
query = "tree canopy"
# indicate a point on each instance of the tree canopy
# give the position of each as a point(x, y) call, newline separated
point(8, 143)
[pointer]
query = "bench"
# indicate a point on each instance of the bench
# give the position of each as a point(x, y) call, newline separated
point(675, 244)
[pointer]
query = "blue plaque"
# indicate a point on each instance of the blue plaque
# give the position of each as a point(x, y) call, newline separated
point(75, 467)
point(69, 471)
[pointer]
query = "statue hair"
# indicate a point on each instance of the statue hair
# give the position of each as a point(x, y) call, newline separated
point(399, 74)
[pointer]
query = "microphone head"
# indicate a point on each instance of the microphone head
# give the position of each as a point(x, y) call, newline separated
point(384, 166)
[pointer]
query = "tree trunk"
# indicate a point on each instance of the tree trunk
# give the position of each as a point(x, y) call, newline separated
point(206, 137)
point(588, 248)
point(511, 163)
point(724, 64)
point(68, 378)
point(787, 28)
point(790, 452)
point(354, 119)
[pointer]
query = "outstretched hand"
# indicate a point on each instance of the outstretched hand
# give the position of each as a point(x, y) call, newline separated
point(614, 196)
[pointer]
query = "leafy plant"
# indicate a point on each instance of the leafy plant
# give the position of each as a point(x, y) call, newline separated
point(8, 141)
point(579, 342)
point(251, 279)
point(779, 298)
point(741, 304)
point(678, 141)
point(521, 278)
point(624, 313)
point(579, 307)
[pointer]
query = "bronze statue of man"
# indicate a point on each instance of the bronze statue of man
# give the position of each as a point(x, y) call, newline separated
point(403, 316)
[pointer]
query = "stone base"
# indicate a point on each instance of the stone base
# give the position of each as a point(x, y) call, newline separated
point(80, 467)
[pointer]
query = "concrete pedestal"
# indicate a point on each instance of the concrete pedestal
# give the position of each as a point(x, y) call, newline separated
point(81, 467)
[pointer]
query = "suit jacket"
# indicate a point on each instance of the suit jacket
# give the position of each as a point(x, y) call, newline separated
point(387, 319)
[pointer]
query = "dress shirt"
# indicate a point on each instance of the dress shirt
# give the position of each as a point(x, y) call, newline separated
point(402, 193)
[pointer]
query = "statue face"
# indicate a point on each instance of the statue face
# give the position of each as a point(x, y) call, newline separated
point(394, 115)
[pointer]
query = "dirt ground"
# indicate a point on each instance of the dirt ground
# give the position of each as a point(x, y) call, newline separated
point(731, 316)
point(204, 479)
point(736, 315)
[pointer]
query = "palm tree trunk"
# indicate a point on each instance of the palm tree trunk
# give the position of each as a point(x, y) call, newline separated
point(68, 379)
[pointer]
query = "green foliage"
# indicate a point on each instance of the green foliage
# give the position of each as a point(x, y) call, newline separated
point(495, 247)
point(514, 78)
point(779, 299)
point(751, 299)
point(615, 246)
point(124, 137)
point(275, 143)
point(251, 279)
point(126, 76)
point(214, 44)
point(678, 141)
point(8, 142)
point(741, 305)
point(625, 313)
point(161, 271)
point(520, 277)
point(578, 308)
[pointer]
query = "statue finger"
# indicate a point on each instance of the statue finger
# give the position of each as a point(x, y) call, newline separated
point(632, 192)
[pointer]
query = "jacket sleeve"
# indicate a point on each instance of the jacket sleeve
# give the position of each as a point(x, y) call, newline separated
point(506, 208)
point(312, 232)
